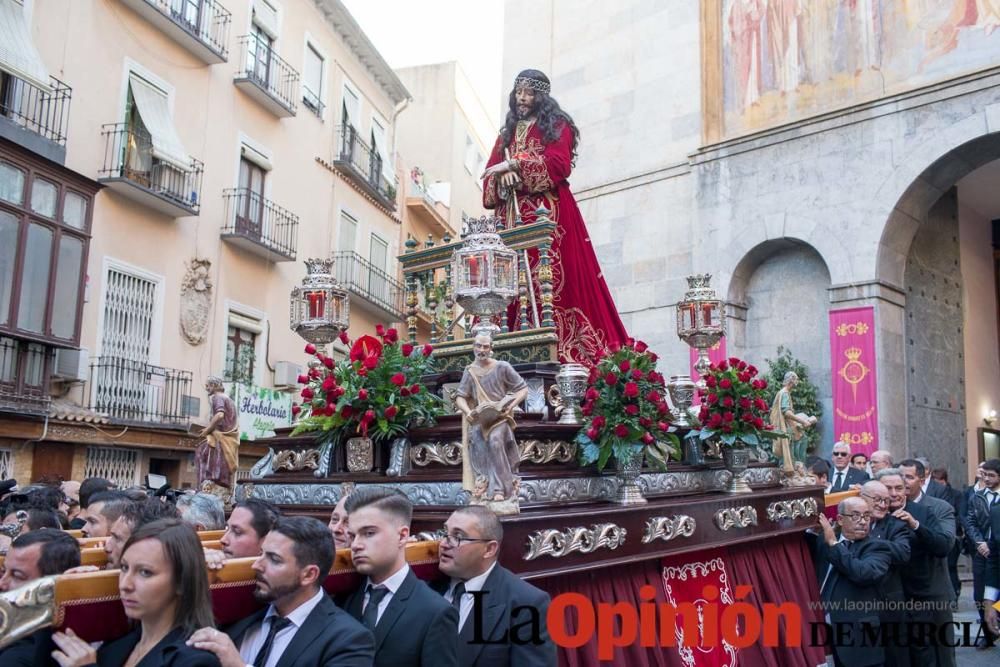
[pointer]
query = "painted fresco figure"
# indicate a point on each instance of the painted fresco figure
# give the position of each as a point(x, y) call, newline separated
point(216, 457)
point(785, 420)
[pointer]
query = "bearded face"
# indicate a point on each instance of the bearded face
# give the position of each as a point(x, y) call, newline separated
point(525, 104)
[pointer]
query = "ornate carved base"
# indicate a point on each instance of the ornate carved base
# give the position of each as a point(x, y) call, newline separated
point(221, 492)
point(799, 477)
point(500, 507)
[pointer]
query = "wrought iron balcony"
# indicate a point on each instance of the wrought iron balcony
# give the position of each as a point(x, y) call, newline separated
point(377, 289)
point(35, 118)
point(132, 392)
point(267, 78)
point(200, 26)
point(131, 169)
point(260, 226)
point(363, 165)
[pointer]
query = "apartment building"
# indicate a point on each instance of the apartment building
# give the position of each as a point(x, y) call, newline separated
point(165, 165)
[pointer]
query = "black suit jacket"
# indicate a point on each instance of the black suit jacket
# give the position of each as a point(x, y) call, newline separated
point(898, 536)
point(993, 564)
point(851, 476)
point(32, 651)
point(418, 627)
point(936, 489)
point(506, 599)
point(925, 578)
point(328, 637)
point(853, 572)
point(170, 652)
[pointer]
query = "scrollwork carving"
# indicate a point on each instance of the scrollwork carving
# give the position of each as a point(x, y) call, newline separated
point(667, 528)
point(548, 451)
point(736, 517)
point(559, 543)
point(792, 509)
point(445, 453)
point(290, 459)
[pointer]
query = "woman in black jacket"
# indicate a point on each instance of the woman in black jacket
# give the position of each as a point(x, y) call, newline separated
point(164, 588)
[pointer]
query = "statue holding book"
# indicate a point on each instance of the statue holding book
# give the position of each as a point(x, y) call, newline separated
point(489, 392)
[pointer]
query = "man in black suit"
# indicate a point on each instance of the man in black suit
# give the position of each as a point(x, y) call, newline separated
point(925, 578)
point(979, 529)
point(34, 555)
point(898, 537)
point(931, 486)
point(991, 594)
point(301, 627)
point(842, 474)
point(850, 569)
point(412, 624)
point(489, 598)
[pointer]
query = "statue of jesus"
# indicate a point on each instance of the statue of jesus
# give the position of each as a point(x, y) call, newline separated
point(528, 168)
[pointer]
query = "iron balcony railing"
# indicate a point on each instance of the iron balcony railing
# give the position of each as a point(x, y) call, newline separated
point(369, 282)
point(136, 392)
point(42, 112)
point(262, 66)
point(128, 154)
point(205, 20)
point(366, 164)
point(253, 217)
point(312, 101)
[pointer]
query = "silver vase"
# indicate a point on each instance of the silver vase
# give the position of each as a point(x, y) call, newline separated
point(572, 382)
point(627, 472)
point(737, 460)
point(681, 389)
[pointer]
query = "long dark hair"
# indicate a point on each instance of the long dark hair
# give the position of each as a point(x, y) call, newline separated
point(187, 561)
point(548, 115)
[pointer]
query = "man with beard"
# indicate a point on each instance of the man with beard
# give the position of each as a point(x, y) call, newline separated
point(925, 578)
point(413, 625)
point(528, 169)
point(898, 536)
point(217, 455)
point(301, 627)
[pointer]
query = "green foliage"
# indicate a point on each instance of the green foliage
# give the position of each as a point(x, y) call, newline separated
point(803, 394)
point(625, 410)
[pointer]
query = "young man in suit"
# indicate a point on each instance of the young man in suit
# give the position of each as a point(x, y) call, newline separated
point(851, 568)
point(925, 578)
point(490, 597)
point(301, 627)
point(978, 527)
point(991, 594)
point(413, 625)
point(843, 475)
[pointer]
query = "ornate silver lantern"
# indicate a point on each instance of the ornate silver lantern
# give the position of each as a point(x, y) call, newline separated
point(320, 307)
point(700, 321)
point(484, 273)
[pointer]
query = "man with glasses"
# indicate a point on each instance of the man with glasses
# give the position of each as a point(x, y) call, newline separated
point(511, 611)
point(850, 569)
point(925, 578)
point(843, 475)
point(413, 625)
point(898, 537)
point(978, 528)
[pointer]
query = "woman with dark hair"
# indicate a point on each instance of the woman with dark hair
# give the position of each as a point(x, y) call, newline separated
point(528, 169)
point(164, 589)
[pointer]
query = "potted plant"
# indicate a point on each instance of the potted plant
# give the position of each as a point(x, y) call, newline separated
point(371, 397)
point(626, 415)
point(734, 410)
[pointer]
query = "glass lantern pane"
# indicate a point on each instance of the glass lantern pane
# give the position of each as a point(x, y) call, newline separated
point(710, 314)
point(477, 270)
point(506, 276)
point(316, 304)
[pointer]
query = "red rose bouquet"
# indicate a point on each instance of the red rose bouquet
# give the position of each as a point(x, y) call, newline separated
point(375, 392)
point(625, 409)
point(733, 404)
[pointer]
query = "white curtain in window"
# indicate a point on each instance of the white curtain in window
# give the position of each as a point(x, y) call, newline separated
point(312, 72)
point(155, 114)
point(265, 15)
point(352, 109)
point(18, 55)
point(382, 148)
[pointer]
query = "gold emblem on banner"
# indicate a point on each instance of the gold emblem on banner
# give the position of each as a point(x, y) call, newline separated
point(858, 328)
point(853, 371)
point(863, 438)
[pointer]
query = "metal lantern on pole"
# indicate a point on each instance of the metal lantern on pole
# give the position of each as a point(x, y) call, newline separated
point(319, 307)
point(700, 321)
point(484, 273)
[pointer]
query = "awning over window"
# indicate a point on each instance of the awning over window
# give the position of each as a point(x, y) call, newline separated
point(256, 157)
point(266, 17)
point(155, 114)
point(18, 55)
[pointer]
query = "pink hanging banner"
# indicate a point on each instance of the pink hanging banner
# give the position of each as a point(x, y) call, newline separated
point(855, 392)
point(716, 353)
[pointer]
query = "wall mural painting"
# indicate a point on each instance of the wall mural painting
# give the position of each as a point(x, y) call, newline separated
point(783, 60)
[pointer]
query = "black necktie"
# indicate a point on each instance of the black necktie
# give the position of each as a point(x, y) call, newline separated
point(278, 623)
point(375, 595)
point(456, 596)
point(837, 482)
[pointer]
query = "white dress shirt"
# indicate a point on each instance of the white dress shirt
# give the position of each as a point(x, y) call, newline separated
point(254, 638)
point(471, 586)
point(392, 583)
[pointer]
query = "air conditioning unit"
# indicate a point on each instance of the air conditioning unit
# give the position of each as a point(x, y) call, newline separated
point(286, 373)
point(71, 365)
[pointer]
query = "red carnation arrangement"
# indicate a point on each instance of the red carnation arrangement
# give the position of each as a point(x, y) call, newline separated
point(734, 406)
point(625, 409)
point(375, 391)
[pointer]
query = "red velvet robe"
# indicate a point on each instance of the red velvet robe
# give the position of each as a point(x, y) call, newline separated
point(584, 312)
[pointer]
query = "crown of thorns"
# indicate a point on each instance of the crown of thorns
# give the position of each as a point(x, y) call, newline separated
point(533, 84)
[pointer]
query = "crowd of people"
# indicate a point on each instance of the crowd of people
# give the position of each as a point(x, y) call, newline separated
point(393, 619)
point(888, 568)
